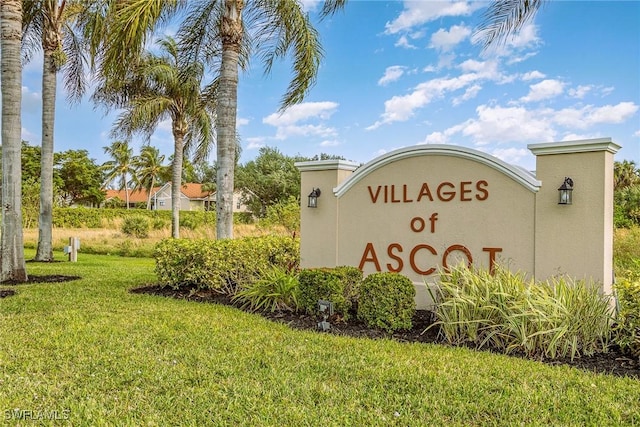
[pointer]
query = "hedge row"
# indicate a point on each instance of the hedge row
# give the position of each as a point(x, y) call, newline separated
point(222, 265)
point(96, 218)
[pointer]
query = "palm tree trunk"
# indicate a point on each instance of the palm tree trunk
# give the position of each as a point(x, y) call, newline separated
point(126, 189)
point(176, 180)
point(153, 182)
point(226, 109)
point(45, 221)
point(12, 264)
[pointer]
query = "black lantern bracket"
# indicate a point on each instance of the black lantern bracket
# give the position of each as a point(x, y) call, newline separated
point(565, 192)
point(313, 198)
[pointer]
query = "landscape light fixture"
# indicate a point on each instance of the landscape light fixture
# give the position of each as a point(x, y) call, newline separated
point(326, 309)
point(313, 198)
point(565, 192)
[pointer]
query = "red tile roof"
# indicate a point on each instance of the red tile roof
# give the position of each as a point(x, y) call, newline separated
point(135, 196)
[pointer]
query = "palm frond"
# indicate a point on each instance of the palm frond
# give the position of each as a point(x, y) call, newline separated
point(503, 18)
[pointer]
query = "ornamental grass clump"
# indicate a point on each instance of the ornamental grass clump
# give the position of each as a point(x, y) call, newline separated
point(507, 312)
point(276, 290)
point(627, 326)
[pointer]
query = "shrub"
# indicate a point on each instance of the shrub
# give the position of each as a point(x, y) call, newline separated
point(387, 301)
point(323, 284)
point(137, 226)
point(627, 327)
point(222, 265)
point(505, 311)
point(351, 278)
point(276, 289)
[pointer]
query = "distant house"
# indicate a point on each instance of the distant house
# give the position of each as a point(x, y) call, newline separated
point(192, 198)
point(135, 196)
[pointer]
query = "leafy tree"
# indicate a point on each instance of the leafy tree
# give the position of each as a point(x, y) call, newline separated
point(163, 87)
point(12, 263)
point(269, 179)
point(46, 26)
point(149, 169)
point(30, 156)
point(120, 167)
point(80, 178)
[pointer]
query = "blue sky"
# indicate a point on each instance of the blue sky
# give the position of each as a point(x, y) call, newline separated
point(400, 73)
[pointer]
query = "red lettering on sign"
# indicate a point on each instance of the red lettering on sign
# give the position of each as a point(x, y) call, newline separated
point(481, 186)
point(492, 257)
point(369, 255)
point(412, 259)
point(446, 196)
point(395, 257)
point(452, 248)
point(374, 198)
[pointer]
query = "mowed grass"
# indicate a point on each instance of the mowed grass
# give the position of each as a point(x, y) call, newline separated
point(99, 355)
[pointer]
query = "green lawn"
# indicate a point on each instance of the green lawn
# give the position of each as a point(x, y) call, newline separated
point(93, 354)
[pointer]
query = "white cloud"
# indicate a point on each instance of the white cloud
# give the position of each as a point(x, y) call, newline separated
point(416, 13)
point(533, 75)
point(330, 143)
point(511, 155)
point(391, 74)
point(288, 123)
point(637, 133)
point(404, 42)
point(546, 89)
point(444, 40)
point(402, 107)
point(255, 143)
point(31, 101)
point(241, 121)
point(30, 137)
point(469, 93)
point(301, 112)
point(498, 125)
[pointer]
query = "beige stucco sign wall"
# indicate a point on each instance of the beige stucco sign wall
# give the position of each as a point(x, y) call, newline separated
point(425, 207)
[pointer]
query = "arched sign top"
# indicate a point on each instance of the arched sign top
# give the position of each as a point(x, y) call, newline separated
point(519, 175)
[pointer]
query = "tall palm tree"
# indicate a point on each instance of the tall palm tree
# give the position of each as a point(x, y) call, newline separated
point(227, 33)
point(224, 33)
point(149, 168)
point(162, 87)
point(12, 264)
point(46, 26)
point(120, 167)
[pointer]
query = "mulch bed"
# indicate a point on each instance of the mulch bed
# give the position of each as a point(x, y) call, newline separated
point(614, 362)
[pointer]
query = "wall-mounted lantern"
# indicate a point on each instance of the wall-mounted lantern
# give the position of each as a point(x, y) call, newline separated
point(313, 198)
point(565, 192)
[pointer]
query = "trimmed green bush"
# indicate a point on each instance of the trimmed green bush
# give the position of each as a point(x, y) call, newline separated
point(137, 226)
point(276, 289)
point(351, 278)
point(323, 284)
point(627, 327)
point(222, 265)
point(387, 301)
point(507, 312)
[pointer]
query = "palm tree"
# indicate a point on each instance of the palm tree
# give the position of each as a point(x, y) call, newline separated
point(120, 167)
point(159, 88)
point(12, 264)
point(625, 174)
point(504, 18)
point(149, 169)
point(46, 26)
point(225, 33)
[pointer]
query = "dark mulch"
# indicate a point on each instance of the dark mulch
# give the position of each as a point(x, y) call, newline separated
point(51, 278)
point(613, 362)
